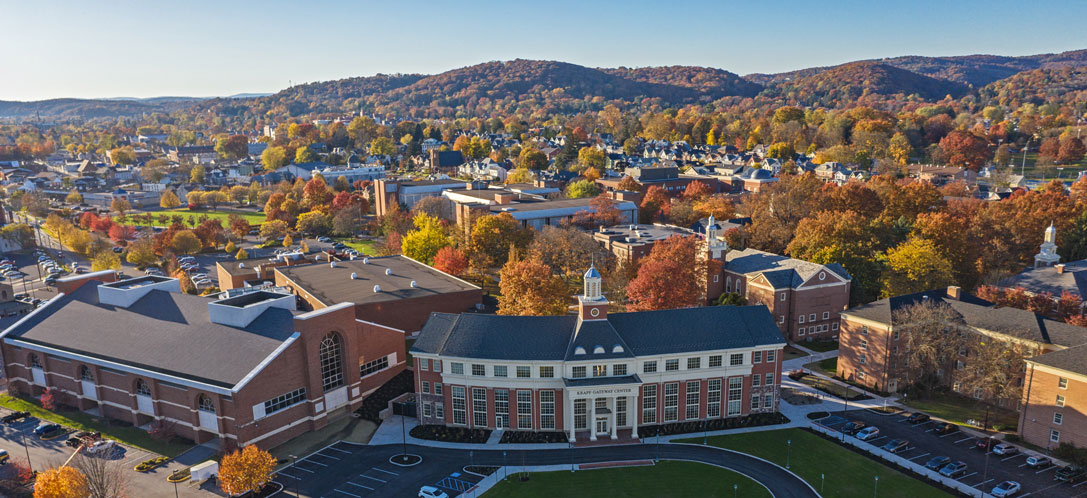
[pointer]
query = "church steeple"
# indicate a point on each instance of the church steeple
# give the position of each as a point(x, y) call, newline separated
point(592, 305)
point(1047, 255)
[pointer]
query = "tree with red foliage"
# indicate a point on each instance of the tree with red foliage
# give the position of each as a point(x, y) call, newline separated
point(316, 192)
point(21, 470)
point(239, 227)
point(86, 220)
point(102, 224)
point(603, 213)
point(121, 233)
point(1071, 150)
point(965, 149)
point(273, 209)
point(672, 276)
point(451, 261)
point(48, 400)
point(696, 190)
point(210, 232)
point(654, 204)
point(1069, 305)
point(1050, 149)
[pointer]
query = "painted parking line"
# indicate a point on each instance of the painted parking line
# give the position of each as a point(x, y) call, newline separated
point(372, 478)
point(385, 471)
point(1047, 469)
point(1011, 457)
point(303, 469)
point(359, 485)
point(876, 439)
point(964, 439)
point(1041, 490)
point(965, 476)
point(945, 435)
point(326, 456)
point(921, 455)
point(346, 493)
point(307, 460)
point(337, 449)
point(281, 473)
point(1081, 483)
point(453, 483)
point(982, 483)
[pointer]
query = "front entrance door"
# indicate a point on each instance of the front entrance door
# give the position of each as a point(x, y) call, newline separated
point(602, 425)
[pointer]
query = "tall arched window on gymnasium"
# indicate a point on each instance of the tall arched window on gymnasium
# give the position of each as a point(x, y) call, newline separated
point(205, 404)
point(142, 388)
point(85, 374)
point(331, 362)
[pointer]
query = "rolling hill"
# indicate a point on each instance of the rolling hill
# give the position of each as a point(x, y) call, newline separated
point(851, 82)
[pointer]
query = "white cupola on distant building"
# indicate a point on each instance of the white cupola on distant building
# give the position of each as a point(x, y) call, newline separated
point(1048, 256)
point(715, 245)
point(592, 305)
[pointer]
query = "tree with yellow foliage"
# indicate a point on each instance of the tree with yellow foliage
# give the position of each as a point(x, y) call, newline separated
point(245, 470)
point(61, 482)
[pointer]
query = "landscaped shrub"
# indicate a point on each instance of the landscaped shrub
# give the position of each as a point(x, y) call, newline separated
point(753, 420)
point(1068, 452)
point(518, 437)
point(450, 434)
point(404, 382)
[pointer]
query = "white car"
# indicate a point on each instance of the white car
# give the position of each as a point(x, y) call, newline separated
point(1006, 488)
point(1038, 461)
point(431, 492)
point(867, 433)
point(1005, 449)
point(103, 447)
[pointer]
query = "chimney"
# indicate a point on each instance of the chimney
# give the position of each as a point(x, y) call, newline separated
point(1059, 267)
point(954, 292)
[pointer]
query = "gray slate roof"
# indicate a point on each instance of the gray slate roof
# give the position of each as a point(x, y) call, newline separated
point(165, 332)
point(643, 333)
point(781, 271)
point(1071, 359)
point(1040, 280)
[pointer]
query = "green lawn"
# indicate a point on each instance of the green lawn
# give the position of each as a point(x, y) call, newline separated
point(792, 352)
point(367, 247)
point(958, 409)
point(220, 214)
point(132, 436)
point(666, 479)
point(827, 367)
point(847, 474)
point(820, 346)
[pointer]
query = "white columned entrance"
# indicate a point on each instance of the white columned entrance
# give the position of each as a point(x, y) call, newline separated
point(603, 420)
point(592, 419)
point(633, 412)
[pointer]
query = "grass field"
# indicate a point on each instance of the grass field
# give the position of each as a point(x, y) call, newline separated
point(792, 352)
point(959, 409)
point(220, 214)
point(846, 473)
point(666, 479)
point(367, 247)
point(132, 436)
point(820, 346)
point(827, 367)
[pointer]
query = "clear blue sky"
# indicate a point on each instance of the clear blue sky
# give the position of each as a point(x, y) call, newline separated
point(124, 48)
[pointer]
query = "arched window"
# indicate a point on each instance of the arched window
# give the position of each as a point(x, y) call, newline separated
point(331, 365)
point(205, 404)
point(85, 374)
point(142, 388)
point(34, 361)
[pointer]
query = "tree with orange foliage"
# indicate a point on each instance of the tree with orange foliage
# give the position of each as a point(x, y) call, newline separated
point(246, 470)
point(629, 184)
point(965, 149)
point(529, 288)
point(696, 190)
point(654, 205)
point(451, 261)
point(672, 276)
point(61, 482)
point(48, 400)
point(121, 233)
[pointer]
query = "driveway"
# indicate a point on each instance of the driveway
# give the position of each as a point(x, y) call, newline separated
point(984, 469)
point(346, 470)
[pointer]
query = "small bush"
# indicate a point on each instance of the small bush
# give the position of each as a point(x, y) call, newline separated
point(450, 434)
point(753, 420)
point(525, 437)
point(404, 382)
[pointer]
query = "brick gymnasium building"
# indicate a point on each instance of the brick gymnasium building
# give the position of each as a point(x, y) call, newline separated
point(597, 375)
point(1054, 399)
point(395, 291)
point(249, 369)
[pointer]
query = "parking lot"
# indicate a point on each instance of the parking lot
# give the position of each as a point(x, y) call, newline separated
point(347, 470)
point(984, 469)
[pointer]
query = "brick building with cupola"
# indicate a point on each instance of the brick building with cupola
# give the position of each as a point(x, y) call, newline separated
point(597, 375)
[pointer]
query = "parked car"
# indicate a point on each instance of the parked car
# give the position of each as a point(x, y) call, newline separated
point(935, 463)
point(896, 445)
point(946, 428)
point(985, 444)
point(851, 428)
point(953, 469)
point(917, 418)
point(14, 417)
point(50, 281)
point(1038, 461)
point(4, 457)
point(46, 429)
point(118, 250)
point(1071, 474)
point(80, 269)
point(1005, 449)
point(324, 240)
point(431, 492)
point(20, 297)
point(1006, 488)
point(868, 433)
point(103, 447)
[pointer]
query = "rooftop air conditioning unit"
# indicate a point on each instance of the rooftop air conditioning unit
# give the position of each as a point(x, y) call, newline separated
point(388, 271)
point(414, 284)
point(354, 276)
point(241, 265)
point(365, 261)
point(331, 264)
point(377, 288)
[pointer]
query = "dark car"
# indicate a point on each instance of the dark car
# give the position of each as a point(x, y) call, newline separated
point(935, 463)
point(896, 445)
point(953, 469)
point(985, 444)
point(14, 417)
point(854, 426)
point(118, 250)
point(917, 418)
point(946, 428)
point(1071, 474)
point(46, 429)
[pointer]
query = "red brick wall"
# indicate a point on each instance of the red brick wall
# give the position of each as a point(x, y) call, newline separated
point(1036, 419)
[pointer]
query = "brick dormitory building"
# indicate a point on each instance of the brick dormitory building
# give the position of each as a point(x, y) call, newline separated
point(247, 369)
point(596, 375)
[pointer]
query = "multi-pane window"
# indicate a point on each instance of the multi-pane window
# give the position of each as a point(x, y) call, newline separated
point(372, 367)
point(436, 365)
point(671, 365)
point(864, 330)
point(524, 372)
point(649, 404)
point(284, 400)
point(479, 370)
point(579, 372)
point(426, 387)
point(427, 410)
point(456, 368)
point(735, 394)
point(619, 369)
point(1060, 400)
point(768, 400)
point(438, 388)
point(801, 331)
point(649, 366)
point(479, 407)
point(439, 410)
point(715, 361)
point(501, 408)
point(769, 379)
point(713, 398)
point(35, 362)
point(694, 363)
point(862, 359)
point(864, 344)
point(460, 409)
point(826, 315)
point(142, 388)
point(600, 370)
point(424, 364)
point(693, 399)
point(524, 409)
point(205, 404)
point(736, 359)
point(756, 357)
point(501, 371)
point(770, 356)
point(581, 414)
point(547, 409)
point(331, 365)
point(756, 380)
point(1054, 435)
point(755, 402)
point(620, 411)
point(547, 372)
point(671, 402)
point(1058, 418)
point(811, 317)
point(1062, 383)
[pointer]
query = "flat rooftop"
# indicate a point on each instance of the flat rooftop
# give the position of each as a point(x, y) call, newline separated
point(333, 285)
point(641, 234)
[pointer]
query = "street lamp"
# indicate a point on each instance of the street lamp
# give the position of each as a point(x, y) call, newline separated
point(875, 490)
point(735, 490)
point(294, 463)
point(788, 452)
point(28, 464)
point(822, 481)
point(175, 489)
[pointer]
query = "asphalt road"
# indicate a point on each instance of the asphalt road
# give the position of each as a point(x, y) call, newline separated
point(346, 470)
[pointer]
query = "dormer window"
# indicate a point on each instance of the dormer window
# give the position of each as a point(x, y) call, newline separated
point(598, 350)
point(579, 350)
point(617, 349)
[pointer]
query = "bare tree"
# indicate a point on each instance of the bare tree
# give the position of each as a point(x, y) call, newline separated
point(935, 336)
point(994, 366)
point(105, 478)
